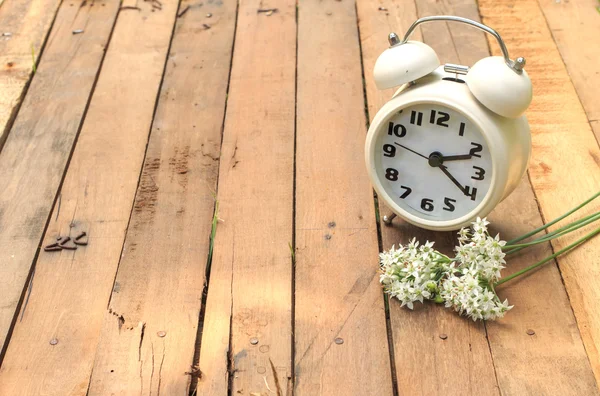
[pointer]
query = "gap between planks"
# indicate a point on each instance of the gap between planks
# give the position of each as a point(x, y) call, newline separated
point(198, 344)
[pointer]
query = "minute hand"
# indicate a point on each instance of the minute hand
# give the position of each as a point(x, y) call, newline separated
point(447, 173)
point(411, 150)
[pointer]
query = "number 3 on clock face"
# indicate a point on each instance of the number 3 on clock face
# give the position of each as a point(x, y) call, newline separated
point(433, 162)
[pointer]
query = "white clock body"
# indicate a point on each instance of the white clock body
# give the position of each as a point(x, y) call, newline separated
point(438, 158)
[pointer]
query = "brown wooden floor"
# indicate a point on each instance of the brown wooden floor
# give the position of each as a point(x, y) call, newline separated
point(141, 116)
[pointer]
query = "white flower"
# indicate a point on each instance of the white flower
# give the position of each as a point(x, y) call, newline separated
point(412, 273)
point(482, 253)
point(480, 225)
point(470, 295)
point(463, 235)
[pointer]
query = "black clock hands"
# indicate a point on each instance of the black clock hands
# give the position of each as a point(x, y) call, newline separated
point(412, 151)
point(447, 173)
point(436, 160)
point(438, 157)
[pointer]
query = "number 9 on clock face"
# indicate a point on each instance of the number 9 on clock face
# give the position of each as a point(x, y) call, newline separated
point(433, 162)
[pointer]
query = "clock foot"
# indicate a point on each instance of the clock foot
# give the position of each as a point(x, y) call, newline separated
point(387, 220)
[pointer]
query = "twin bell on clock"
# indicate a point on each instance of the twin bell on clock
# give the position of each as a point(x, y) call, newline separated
point(453, 141)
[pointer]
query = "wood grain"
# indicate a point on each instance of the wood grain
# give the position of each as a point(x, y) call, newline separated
point(564, 168)
point(161, 275)
point(546, 363)
point(425, 363)
point(34, 158)
point(71, 289)
point(340, 326)
point(553, 361)
point(250, 289)
point(28, 23)
point(524, 365)
point(575, 27)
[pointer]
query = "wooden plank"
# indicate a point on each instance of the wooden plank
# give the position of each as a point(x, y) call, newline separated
point(424, 362)
point(172, 217)
point(575, 27)
point(522, 364)
point(71, 288)
point(28, 23)
point(35, 155)
point(341, 340)
point(547, 362)
point(251, 277)
point(565, 163)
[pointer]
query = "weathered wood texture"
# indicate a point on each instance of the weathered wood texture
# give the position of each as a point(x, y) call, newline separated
point(565, 162)
point(253, 342)
point(424, 362)
point(512, 349)
point(162, 270)
point(34, 158)
point(251, 278)
point(522, 364)
point(553, 361)
point(24, 26)
point(70, 289)
point(340, 324)
point(575, 27)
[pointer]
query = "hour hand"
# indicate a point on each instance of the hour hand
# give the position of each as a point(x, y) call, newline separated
point(456, 157)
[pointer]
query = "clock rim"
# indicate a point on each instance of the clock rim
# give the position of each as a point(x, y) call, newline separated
point(494, 193)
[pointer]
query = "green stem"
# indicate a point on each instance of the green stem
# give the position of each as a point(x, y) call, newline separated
point(570, 225)
point(555, 220)
point(555, 234)
point(542, 262)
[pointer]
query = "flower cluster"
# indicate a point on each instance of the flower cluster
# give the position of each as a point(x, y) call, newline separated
point(412, 273)
point(465, 283)
point(480, 252)
point(471, 295)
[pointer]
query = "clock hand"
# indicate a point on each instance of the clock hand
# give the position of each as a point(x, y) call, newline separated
point(456, 157)
point(413, 151)
point(447, 173)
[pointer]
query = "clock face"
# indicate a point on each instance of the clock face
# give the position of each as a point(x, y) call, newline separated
point(433, 162)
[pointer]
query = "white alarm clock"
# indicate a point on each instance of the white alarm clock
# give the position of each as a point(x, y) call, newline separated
point(453, 141)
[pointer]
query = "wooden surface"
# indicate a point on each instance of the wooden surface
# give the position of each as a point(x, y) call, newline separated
point(563, 146)
point(24, 26)
point(340, 324)
point(570, 23)
point(96, 197)
point(162, 271)
point(248, 326)
point(34, 158)
point(136, 129)
point(522, 365)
